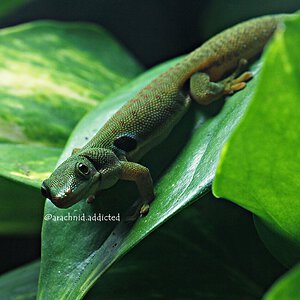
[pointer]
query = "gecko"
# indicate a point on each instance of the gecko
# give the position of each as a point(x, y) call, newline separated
point(215, 69)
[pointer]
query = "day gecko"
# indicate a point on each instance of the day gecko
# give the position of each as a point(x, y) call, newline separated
point(147, 119)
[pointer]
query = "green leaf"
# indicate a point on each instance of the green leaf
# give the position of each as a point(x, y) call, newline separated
point(259, 165)
point(8, 6)
point(69, 268)
point(22, 168)
point(284, 249)
point(287, 287)
point(27, 164)
point(209, 250)
point(52, 73)
point(20, 284)
point(21, 208)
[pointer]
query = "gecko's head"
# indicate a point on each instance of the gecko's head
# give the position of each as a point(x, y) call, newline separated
point(81, 176)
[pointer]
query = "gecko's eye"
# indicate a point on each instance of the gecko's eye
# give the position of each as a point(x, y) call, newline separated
point(83, 169)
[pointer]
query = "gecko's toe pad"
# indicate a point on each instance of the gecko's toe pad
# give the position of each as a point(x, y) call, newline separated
point(144, 210)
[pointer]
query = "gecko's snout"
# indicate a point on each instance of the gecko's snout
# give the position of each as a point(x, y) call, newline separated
point(45, 191)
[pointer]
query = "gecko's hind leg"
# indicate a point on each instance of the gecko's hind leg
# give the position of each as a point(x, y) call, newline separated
point(205, 91)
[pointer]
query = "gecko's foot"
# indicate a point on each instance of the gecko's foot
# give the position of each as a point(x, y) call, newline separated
point(144, 210)
point(237, 84)
point(141, 211)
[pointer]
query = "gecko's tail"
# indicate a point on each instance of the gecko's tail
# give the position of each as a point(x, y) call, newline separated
point(222, 53)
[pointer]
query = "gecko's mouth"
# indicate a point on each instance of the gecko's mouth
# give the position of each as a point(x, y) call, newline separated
point(71, 191)
point(71, 197)
point(64, 202)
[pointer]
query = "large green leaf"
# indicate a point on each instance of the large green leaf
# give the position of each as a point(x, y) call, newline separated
point(209, 250)
point(287, 287)
point(260, 164)
point(51, 74)
point(76, 254)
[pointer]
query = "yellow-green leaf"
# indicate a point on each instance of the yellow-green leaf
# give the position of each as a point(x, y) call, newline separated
point(260, 164)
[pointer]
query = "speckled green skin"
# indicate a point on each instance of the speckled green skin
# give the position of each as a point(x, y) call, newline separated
point(154, 111)
point(150, 116)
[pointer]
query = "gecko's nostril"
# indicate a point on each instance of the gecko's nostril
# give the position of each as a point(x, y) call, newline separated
point(45, 191)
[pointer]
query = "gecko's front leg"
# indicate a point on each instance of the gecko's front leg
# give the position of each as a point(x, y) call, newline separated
point(141, 176)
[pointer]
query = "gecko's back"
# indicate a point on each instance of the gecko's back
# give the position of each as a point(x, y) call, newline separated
point(152, 113)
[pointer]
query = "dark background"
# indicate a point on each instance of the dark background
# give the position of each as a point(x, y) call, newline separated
point(153, 31)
